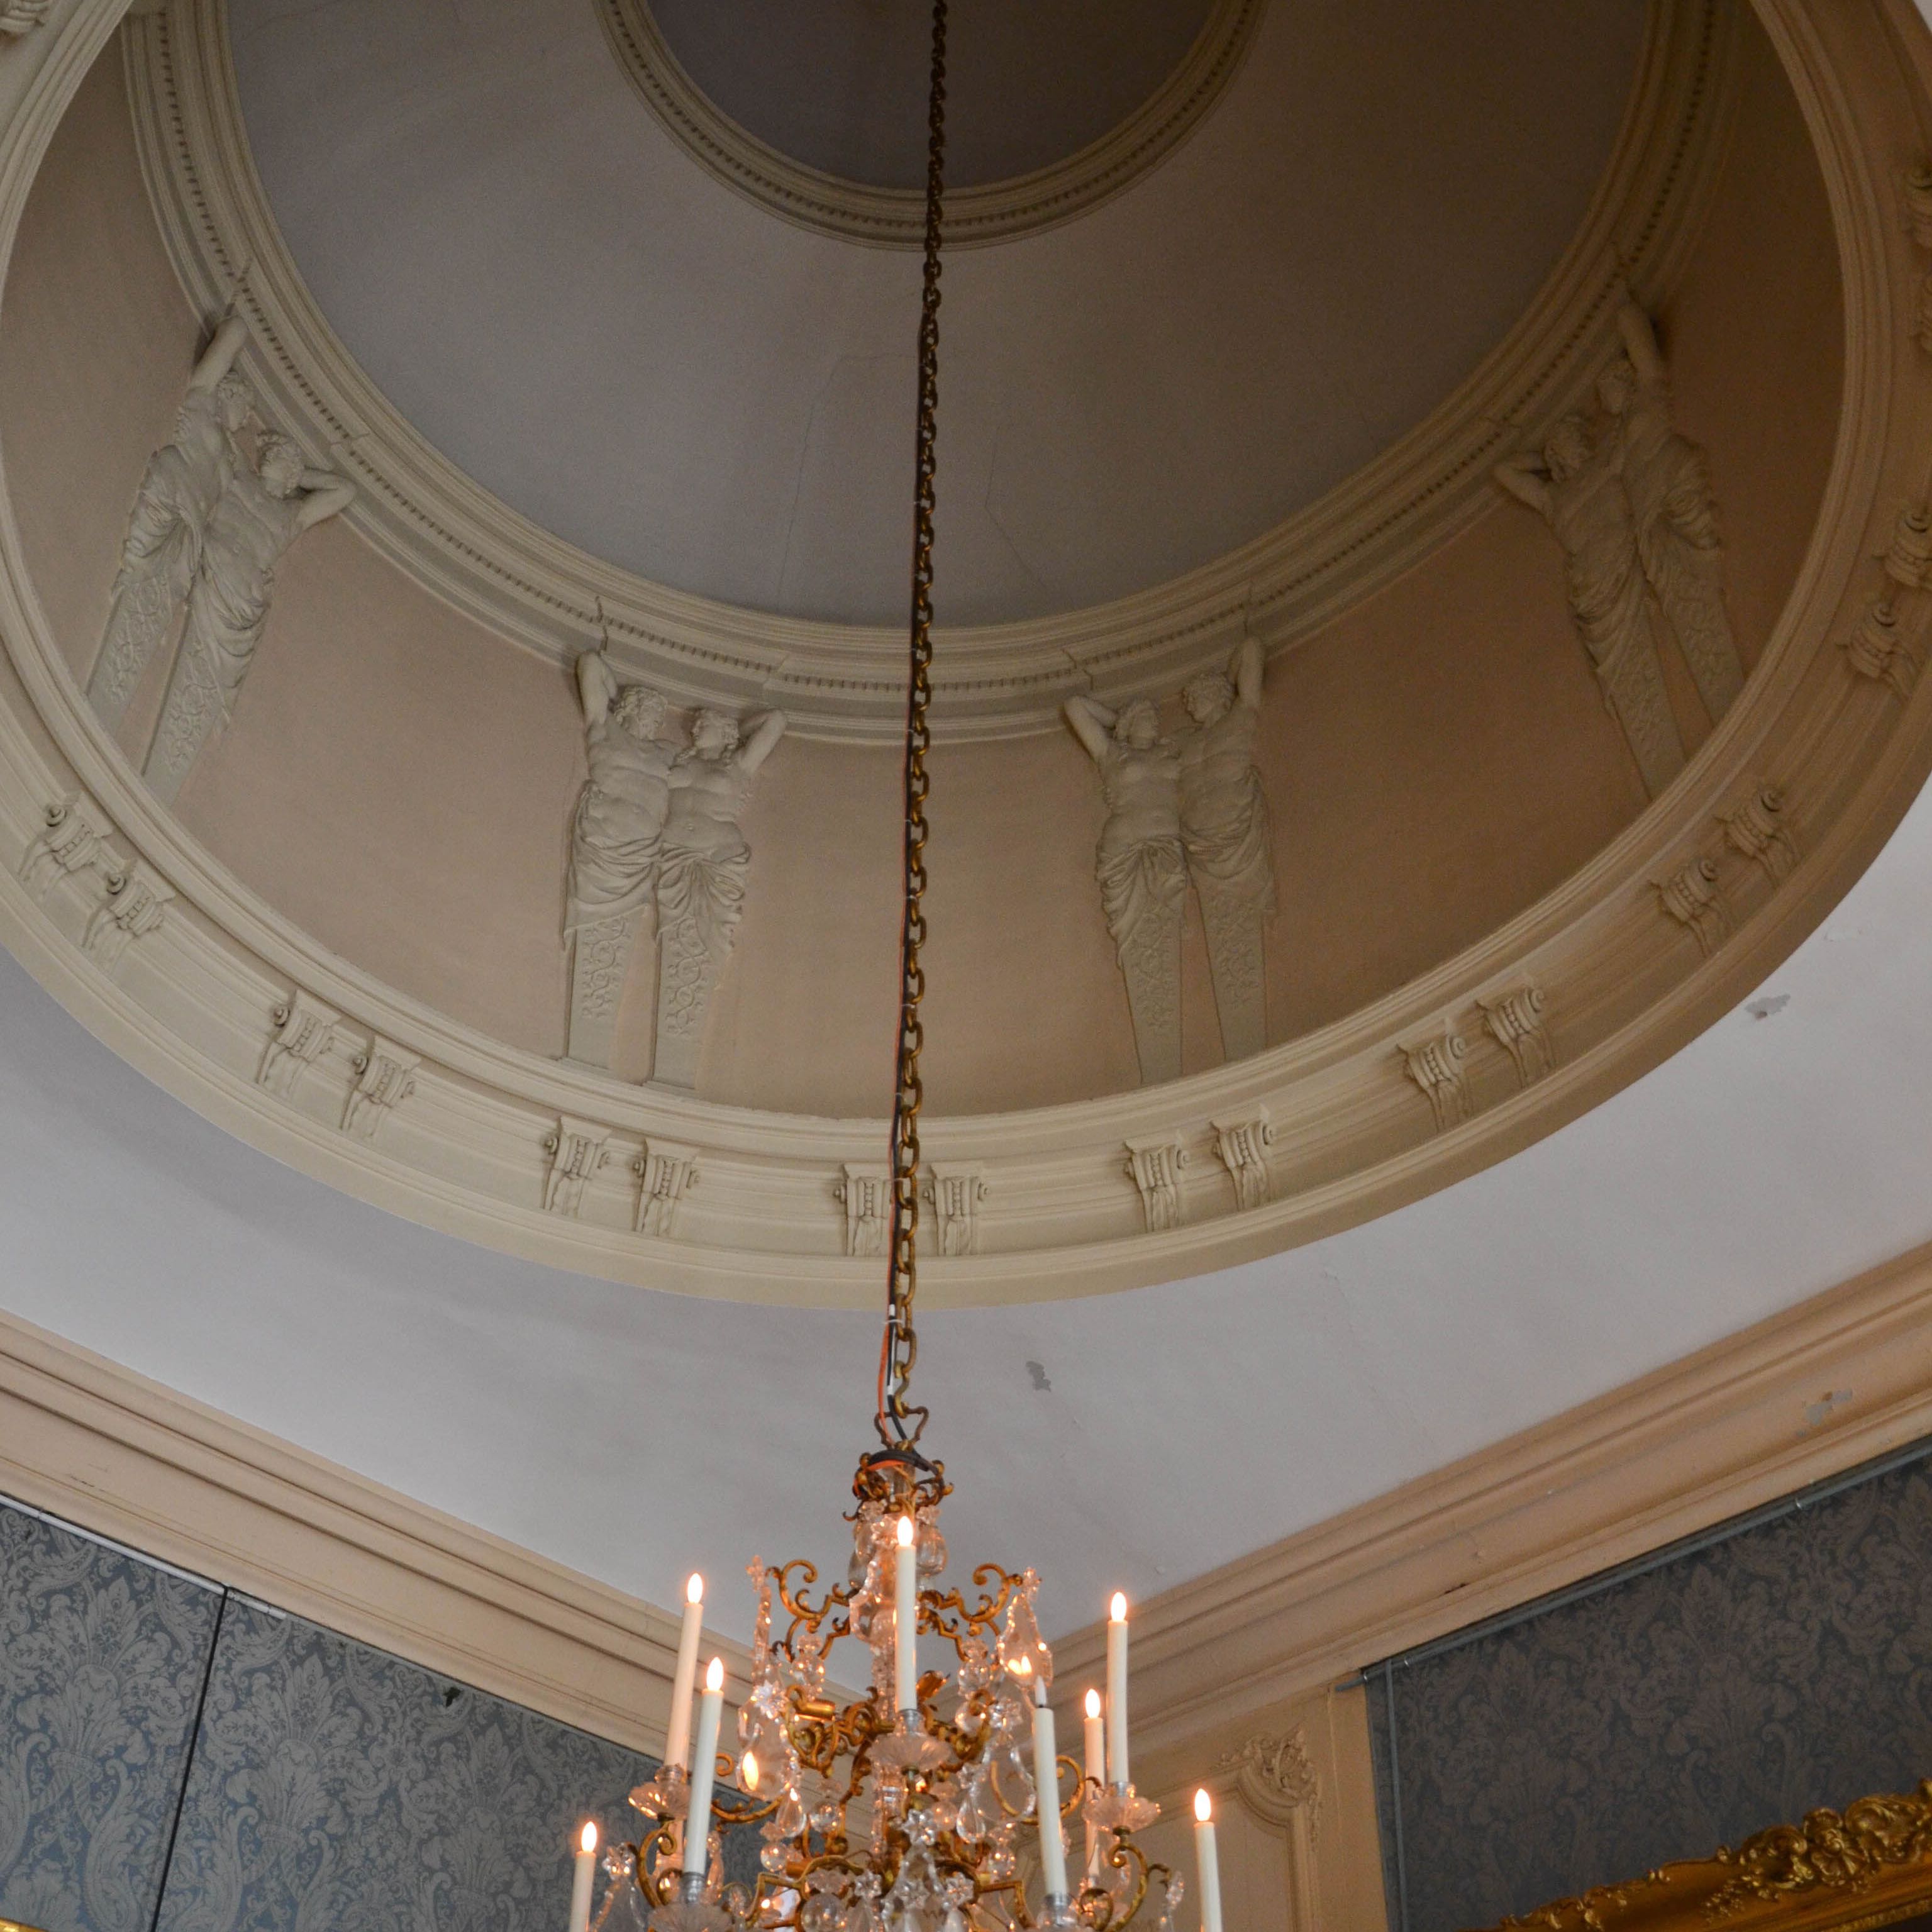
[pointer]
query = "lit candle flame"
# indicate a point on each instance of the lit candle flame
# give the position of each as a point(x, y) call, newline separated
point(905, 1532)
point(1203, 1806)
point(1119, 1608)
point(749, 1771)
point(693, 1591)
point(1093, 1704)
point(587, 1837)
point(714, 1674)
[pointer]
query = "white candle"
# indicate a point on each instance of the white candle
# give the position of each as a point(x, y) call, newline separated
point(1046, 1788)
point(581, 1878)
point(1207, 1862)
point(1117, 1691)
point(905, 1626)
point(703, 1770)
point(677, 1739)
point(1096, 1770)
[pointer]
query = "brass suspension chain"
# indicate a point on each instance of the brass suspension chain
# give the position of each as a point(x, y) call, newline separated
point(900, 1425)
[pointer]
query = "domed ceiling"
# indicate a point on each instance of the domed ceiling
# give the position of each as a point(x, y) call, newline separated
point(664, 372)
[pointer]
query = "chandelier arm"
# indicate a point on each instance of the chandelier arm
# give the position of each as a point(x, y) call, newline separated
point(900, 1425)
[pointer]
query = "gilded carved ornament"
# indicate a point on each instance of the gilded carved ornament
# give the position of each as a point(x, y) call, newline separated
point(1867, 1866)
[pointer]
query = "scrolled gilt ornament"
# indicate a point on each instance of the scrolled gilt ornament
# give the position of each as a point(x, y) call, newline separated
point(1838, 1851)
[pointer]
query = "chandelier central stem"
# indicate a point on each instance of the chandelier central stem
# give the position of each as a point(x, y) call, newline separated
point(899, 1424)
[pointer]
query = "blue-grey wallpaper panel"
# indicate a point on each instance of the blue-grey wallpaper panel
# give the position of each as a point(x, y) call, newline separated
point(1786, 1667)
point(335, 1786)
point(101, 1659)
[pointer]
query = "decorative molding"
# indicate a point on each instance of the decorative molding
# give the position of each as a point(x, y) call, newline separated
point(866, 1195)
point(127, 1459)
point(1273, 1777)
point(1349, 1146)
point(385, 1076)
point(894, 217)
point(955, 1188)
point(1155, 1167)
point(135, 905)
point(577, 1150)
point(18, 17)
point(1722, 1432)
point(847, 682)
point(1757, 827)
point(1518, 1020)
point(1691, 896)
point(1435, 1064)
point(1908, 558)
point(304, 1031)
point(1242, 1146)
point(666, 1172)
point(1918, 203)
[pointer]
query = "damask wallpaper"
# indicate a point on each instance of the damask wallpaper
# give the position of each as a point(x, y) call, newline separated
point(1785, 1666)
point(101, 1658)
point(330, 1788)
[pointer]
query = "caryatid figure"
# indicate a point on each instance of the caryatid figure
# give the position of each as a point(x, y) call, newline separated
point(614, 842)
point(701, 871)
point(1139, 864)
point(1224, 833)
point(1669, 485)
point(184, 481)
point(1579, 490)
point(259, 516)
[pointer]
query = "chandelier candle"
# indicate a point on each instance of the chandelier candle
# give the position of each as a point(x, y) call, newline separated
point(704, 1771)
point(1097, 1767)
point(581, 1877)
point(1046, 1788)
point(1209, 1862)
point(677, 1739)
point(1117, 1692)
point(905, 1626)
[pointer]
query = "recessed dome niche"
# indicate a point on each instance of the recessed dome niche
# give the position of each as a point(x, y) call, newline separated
point(1345, 418)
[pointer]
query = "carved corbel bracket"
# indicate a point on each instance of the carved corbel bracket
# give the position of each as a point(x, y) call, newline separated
point(955, 1191)
point(135, 905)
point(1691, 895)
point(305, 1032)
point(577, 1150)
point(866, 1194)
point(1154, 1167)
point(1757, 827)
point(73, 838)
point(1877, 649)
point(385, 1076)
point(1517, 1019)
point(1436, 1064)
point(1242, 1146)
point(666, 1172)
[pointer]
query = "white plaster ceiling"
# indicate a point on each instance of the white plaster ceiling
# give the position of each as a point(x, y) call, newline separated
point(650, 365)
point(633, 1435)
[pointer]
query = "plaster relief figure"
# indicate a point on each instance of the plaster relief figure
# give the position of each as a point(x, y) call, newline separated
point(1668, 482)
point(701, 877)
point(614, 842)
point(20, 16)
point(1578, 489)
point(1224, 831)
point(265, 507)
point(1141, 868)
point(184, 481)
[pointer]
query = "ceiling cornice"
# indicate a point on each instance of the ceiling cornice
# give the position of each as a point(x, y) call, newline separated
point(847, 682)
point(896, 218)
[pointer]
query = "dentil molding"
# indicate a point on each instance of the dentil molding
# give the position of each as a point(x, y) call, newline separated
point(896, 218)
point(848, 681)
point(196, 981)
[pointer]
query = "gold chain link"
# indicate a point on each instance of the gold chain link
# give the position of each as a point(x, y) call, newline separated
point(900, 1425)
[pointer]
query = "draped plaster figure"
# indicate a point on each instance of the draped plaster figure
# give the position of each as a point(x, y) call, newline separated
point(1578, 488)
point(702, 864)
point(614, 841)
point(1224, 831)
point(1669, 484)
point(184, 481)
point(260, 514)
point(1141, 869)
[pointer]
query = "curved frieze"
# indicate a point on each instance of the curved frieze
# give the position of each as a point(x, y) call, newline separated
point(196, 980)
point(845, 682)
point(896, 218)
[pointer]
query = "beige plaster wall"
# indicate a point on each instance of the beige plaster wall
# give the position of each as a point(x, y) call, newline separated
point(399, 780)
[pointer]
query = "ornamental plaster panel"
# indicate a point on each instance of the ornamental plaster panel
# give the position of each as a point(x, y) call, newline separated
point(895, 218)
point(847, 682)
point(188, 1003)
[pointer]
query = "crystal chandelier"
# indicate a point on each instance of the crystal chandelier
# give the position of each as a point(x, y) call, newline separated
point(911, 1809)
